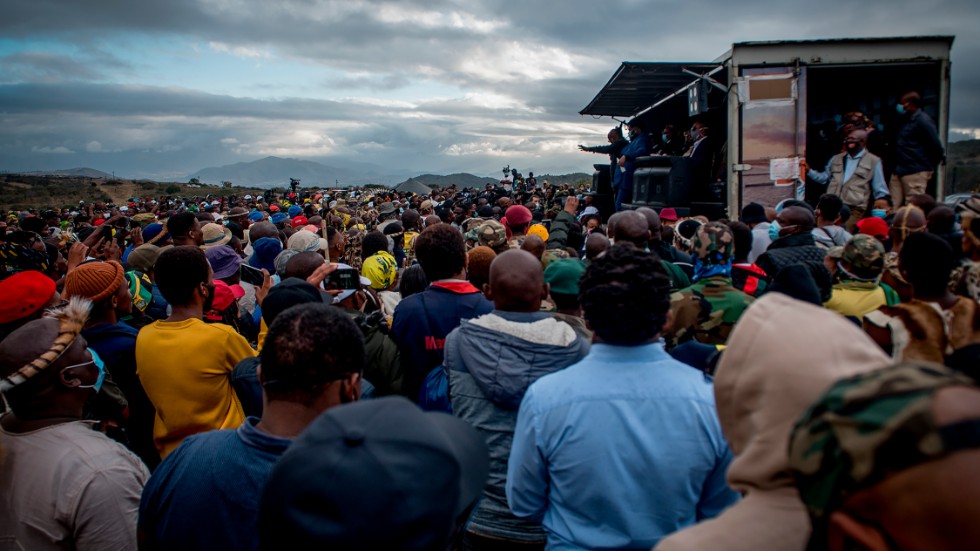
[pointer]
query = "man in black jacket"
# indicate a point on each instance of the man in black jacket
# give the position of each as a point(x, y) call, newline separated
point(795, 245)
point(616, 145)
point(917, 152)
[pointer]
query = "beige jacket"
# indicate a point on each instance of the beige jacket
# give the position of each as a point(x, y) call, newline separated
point(782, 355)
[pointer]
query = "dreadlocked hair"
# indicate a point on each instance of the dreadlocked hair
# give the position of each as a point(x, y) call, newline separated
point(625, 295)
point(71, 320)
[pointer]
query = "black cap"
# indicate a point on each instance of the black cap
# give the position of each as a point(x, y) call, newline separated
point(394, 228)
point(290, 292)
point(377, 474)
point(754, 213)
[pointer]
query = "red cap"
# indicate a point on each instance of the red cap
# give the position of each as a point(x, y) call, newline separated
point(668, 214)
point(23, 294)
point(274, 208)
point(875, 227)
point(224, 295)
point(517, 215)
point(300, 221)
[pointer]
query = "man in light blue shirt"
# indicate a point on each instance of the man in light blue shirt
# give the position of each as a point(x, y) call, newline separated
point(853, 175)
point(624, 447)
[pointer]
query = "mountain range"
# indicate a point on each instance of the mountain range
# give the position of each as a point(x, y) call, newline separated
point(276, 172)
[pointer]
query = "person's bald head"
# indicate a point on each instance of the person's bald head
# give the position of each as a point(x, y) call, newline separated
point(629, 226)
point(302, 265)
point(595, 245)
point(432, 220)
point(534, 245)
point(653, 222)
point(516, 282)
point(793, 220)
point(262, 229)
point(411, 219)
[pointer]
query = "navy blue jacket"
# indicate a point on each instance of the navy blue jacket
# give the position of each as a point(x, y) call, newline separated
point(116, 345)
point(918, 148)
point(422, 322)
point(639, 147)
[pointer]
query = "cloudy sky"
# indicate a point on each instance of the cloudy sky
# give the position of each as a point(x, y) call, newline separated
point(162, 89)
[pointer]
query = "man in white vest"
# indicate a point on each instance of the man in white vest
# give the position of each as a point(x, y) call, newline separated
point(854, 175)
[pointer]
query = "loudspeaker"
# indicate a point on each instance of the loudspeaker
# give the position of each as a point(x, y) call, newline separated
point(601, 182)
point(663, 181)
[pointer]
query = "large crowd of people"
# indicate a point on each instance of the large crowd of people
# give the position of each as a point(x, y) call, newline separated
point(497, 368)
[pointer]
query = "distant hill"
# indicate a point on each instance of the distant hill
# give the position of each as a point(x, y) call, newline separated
point(276, 172)
point(462, 180)
point(81, 172)
point(466, 180)
point(558, 179)
point(963, 166)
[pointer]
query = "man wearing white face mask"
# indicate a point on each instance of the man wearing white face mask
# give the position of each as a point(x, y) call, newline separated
point(854, 175)
point(639, 146)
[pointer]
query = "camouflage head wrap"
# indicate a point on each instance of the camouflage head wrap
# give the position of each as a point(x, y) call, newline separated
point(713, 243)
point(865, 256)
point(868, 427)
point(836, 252)
point(491, 233)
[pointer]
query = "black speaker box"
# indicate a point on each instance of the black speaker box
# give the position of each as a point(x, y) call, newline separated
point(601, 182)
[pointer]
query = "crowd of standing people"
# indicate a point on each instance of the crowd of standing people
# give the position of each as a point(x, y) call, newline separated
point(497, 368)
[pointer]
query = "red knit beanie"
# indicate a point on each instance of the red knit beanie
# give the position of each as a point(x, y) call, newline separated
point(95, 281)
point(24, 293)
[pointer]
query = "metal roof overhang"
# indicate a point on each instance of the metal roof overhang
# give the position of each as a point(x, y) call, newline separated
point(638, 85)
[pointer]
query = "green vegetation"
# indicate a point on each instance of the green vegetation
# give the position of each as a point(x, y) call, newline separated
point(18, 191)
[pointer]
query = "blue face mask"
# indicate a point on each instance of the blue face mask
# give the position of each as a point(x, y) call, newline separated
point(665, 137)
point(900, 108)
point(97, 386)
point(774, 231)
point(879, 213)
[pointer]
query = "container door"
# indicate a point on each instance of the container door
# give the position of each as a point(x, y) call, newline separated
point(773, 133)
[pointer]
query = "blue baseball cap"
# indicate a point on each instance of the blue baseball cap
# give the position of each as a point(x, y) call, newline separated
point(279, 217)
point(294, 211)
point(264, 253)
point(255, 216)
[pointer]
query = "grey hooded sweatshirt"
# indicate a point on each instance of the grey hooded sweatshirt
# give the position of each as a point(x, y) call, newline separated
point(492, 360)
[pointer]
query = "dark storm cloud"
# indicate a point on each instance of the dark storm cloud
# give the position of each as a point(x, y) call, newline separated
point(540, 62)
point(44, 67)
point(120, 101)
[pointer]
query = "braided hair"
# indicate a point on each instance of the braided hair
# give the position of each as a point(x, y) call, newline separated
point(625, 295)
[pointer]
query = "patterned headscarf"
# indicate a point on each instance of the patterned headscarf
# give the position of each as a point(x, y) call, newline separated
point(71, 320)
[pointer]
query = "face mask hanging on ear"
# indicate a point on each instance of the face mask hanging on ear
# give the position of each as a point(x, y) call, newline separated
point(774, 231)
point(97, 385)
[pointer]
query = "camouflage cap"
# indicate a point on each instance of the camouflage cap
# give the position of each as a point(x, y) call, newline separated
point(865, 256)
point(868, 427)
point(714, 243)
point(491, 233)
point(472, 224)
point(836, 252)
